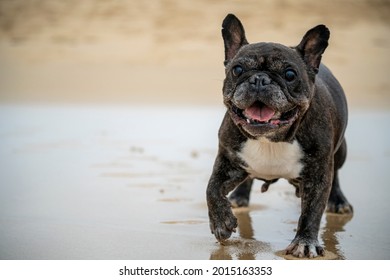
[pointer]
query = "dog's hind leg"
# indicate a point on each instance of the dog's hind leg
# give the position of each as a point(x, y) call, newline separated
point(240, 196)
point(337, 202)
point(267, 183)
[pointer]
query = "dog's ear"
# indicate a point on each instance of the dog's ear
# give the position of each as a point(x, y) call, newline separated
point(313, 45)
point(233, 34)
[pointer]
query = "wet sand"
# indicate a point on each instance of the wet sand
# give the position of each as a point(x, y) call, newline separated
point(91, 183)
point(108, 129)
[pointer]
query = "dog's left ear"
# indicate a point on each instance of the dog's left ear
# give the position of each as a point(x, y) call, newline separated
point(313, 45)
point(233, 34)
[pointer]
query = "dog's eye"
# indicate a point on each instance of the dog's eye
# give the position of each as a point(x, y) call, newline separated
point(237, 70)
point(290, 75)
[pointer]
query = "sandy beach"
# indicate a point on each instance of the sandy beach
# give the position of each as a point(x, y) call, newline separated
point(109, 112)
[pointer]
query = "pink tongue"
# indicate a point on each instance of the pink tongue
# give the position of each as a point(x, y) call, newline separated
point(261, 114)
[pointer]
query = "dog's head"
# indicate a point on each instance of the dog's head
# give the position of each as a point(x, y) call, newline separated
point(268, 86)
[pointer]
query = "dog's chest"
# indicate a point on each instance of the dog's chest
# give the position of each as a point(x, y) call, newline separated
point(271, 160)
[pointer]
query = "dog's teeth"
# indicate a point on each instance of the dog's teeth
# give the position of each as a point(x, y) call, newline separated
point(248, 121)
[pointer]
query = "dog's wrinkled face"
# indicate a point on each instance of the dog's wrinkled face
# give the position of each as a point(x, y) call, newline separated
point(265, 89)
point(268, 86)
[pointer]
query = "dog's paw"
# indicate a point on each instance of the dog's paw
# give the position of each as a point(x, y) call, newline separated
point(305, 248)
point(223, 223)
point(340, 208)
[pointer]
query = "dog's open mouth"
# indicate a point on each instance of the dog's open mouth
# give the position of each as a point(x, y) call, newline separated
point(260, 114)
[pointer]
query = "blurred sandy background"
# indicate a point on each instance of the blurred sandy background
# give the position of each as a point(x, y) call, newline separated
point(115, 51)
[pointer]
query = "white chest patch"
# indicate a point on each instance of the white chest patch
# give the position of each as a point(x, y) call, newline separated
point(270, 160)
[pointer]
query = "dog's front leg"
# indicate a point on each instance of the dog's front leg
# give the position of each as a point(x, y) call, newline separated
point(315, 192)
point(225, 178)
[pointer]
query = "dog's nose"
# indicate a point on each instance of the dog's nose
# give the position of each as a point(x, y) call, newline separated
point(259, 82)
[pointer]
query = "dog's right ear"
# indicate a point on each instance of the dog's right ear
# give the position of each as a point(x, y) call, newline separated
point(233, 34)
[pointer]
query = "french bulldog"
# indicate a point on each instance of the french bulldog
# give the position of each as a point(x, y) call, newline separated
point(286, 117)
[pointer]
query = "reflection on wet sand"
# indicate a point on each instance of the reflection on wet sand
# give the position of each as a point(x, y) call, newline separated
point(334, 224)
point(246, 247)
